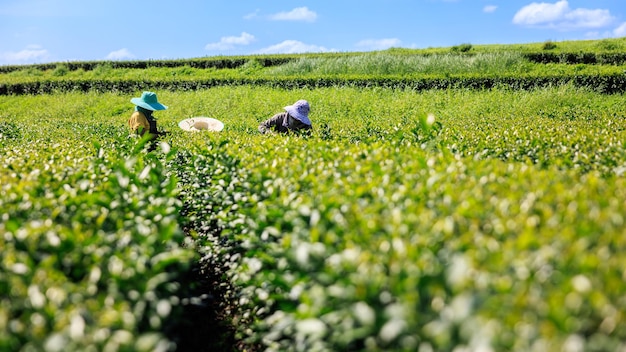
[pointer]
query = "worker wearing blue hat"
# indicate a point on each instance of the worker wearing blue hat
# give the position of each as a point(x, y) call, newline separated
point(142, 120)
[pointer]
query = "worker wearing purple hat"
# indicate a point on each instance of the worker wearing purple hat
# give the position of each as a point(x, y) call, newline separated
point(295, 118)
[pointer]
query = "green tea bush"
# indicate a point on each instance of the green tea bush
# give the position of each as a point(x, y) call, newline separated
point(183, 71)
point(548, 45)
point(610, 44)
point(385, 63)
point(462, 48)
point(386, 246)
point(93, 257)
point(602, 58)
point(103, 69)
point(9, 130)
point(60, 70)
point(250, 67)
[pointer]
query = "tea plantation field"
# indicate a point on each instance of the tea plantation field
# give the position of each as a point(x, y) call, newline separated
point(444, 219)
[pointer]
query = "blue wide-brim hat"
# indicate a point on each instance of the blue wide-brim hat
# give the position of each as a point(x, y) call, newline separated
point(148, 100)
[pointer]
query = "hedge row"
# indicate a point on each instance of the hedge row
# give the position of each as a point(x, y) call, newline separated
point(217, 63)
point(577, 58)
point(618, 58)
point(603, 83)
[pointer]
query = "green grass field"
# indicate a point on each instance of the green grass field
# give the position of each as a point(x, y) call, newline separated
point(411, 219)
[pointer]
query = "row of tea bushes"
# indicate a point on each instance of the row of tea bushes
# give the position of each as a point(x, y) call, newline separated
point(610, 81)
point(387, 246)
point(573, 58)
point(202, 63)
point(595, 56)
point(93, 258)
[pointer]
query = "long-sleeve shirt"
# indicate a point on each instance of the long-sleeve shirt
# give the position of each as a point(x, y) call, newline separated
point(283, 123)
point(141, 121)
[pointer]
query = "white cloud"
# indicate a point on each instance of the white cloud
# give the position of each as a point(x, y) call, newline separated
point(620, 31)
point(252, 15)
point(292, 47)
point(227, 43)
point(32, 54)
point(122, 54)
point(584, 18)
point(538, 13)
point(560, 16)
point(297, 14)
point(379, 44)
point(490, 8)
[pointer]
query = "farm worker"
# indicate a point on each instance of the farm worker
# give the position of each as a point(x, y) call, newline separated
point(142, 121)
point(295, 118)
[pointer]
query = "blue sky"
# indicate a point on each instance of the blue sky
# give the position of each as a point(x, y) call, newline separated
point(39, 31)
